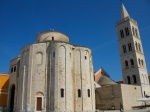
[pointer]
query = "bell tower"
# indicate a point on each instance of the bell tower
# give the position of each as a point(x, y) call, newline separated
point(132, 57)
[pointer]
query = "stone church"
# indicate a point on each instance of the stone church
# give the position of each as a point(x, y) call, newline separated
point(52, 75)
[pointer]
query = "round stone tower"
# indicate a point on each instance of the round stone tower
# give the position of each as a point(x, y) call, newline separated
point(55, 76)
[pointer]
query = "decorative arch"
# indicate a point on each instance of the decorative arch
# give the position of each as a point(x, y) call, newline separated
point(39, 58)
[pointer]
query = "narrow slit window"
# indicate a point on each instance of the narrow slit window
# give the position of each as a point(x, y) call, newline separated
point(85, 57)
point(88, 91)
point(79, 93)
point(62, 92)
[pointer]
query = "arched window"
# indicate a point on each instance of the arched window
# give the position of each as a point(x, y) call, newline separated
point(139, 61)
point(62, 92)
point(85, 57)
point(121, 33)
point(134, 79)
point(136, 33)
point(12, 69)
point(133, 30)
point(139, 47)
point(126, 64)
point(79, 93)
point(124, 49)
point(127, 31)
point(129, 47)
point(88, 92)
point(136, 46)
point(132, 63)
point(142, 63)
point(128, 78)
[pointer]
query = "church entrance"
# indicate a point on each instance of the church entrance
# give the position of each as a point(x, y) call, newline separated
point(39, 104)
point(12, 96)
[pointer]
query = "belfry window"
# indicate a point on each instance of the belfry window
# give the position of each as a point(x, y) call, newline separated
point(136, 46)
point(79, 93)
point(134, 79)
point(129, 47)
point(139, 61)
point(128, 78)
point(124, 49)
point(142, 62)
point(62, 92)
point(133, 30)
point(139, 47)
point(127, 31)
point(136, 33)
point(121, 33)
point(132, 63)
point(12, 69)
point(126, 64)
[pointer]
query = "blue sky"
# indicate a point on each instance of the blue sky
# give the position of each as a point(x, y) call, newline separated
point(89, 23)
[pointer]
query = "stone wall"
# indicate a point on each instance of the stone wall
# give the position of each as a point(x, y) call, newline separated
point(116, 96)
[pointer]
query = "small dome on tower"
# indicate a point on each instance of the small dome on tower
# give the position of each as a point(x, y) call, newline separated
point(52, 36)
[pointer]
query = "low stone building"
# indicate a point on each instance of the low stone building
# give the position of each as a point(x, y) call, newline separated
point(117, 96)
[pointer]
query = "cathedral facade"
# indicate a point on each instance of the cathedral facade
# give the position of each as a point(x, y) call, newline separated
point(52, 75)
